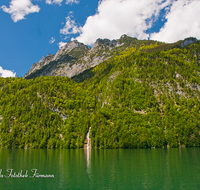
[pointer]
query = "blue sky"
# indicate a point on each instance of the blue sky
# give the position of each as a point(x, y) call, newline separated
point(30, 29)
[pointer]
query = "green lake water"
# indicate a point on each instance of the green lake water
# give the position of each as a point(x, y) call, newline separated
point(101, 169)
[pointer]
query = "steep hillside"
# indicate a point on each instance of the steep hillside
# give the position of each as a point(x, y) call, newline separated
point(147, 95)
point(47, 112)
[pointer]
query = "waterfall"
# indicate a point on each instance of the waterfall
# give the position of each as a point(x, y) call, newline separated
point(88, 139)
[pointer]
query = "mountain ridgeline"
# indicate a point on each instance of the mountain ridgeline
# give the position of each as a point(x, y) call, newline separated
point(130, 93)
point(75, 57)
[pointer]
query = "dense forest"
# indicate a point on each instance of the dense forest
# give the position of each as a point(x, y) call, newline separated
point(146, 95)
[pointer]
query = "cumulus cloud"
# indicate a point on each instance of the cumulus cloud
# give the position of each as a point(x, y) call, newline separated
point(182, 21)
point(52, 40)
point(6, 73)
point(61, 44)
point(72, 1)
point(51, 2)
point(70, 27)
point(117, 17)
point(18, 9)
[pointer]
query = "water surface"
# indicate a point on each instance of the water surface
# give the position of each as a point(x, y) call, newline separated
point(103, 169)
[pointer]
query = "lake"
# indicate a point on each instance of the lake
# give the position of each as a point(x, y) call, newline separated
point(100, 169)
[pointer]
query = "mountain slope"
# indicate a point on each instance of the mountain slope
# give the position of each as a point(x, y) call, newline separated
point(75, 57)
point(148, 100)
point(147, 95)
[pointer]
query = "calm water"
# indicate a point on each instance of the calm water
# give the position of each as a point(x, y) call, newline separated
point(103, 169)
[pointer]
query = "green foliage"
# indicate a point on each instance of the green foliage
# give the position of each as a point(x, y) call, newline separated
point(46, 112)
point(143, 96)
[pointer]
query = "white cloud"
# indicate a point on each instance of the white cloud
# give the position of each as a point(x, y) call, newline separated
point(70, 27)
point(6, 73)
point(52, 40)
point(20, 8)
point(72, 1)
point(61, 44)
point(51, 2)
point(183, 21)
point(117, 17)
point(48, 2)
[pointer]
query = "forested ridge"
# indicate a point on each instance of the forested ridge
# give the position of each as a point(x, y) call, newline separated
point(146, 95)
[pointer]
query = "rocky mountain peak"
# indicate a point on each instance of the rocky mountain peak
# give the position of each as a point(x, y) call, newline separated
point(105, 42)
point(67, 48)
point(188, 41)
point(74, 57)
point(44, 61)
point(71, 45)
point(50, 55)
point(123, 36)
point(125, 40)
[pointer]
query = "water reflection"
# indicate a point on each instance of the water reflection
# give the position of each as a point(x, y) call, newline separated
point(104, 169)
point(87, 153)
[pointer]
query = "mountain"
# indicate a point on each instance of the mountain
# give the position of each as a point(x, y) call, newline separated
point(143, 94)
point(75, 57)
point(71, 59)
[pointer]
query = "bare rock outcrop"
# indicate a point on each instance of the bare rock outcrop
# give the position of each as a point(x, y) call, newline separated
point(188, 41)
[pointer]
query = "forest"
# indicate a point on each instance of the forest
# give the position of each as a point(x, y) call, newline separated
point(143, 96)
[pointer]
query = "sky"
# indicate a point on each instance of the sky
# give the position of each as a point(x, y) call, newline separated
point(31, 29)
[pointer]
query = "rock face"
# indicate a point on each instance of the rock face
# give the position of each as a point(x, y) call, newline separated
point(105, 42)
point(68, 48)
point(75, 57)
point(44, 61)
point(188, 41)
point(72, 59)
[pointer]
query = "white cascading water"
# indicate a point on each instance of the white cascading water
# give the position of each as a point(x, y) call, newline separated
point(88, 139)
